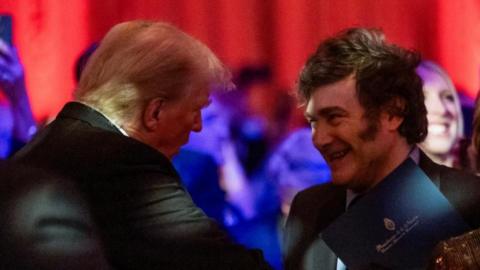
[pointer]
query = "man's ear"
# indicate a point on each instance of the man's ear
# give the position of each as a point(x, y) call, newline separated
point(152, 113)
point(394, 121)
point(394, 112)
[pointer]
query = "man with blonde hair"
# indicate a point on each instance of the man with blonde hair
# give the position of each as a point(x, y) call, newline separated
point(139, 97)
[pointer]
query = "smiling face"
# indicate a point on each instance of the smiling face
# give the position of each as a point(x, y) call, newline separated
point(359, 151)
point(443, 113)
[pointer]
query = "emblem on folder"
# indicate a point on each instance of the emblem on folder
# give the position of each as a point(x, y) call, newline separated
point(389, 224)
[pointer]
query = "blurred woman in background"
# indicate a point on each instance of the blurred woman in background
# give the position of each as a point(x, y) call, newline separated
point(445, 119)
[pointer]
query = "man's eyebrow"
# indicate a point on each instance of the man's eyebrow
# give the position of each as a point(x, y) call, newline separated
point(326, 111)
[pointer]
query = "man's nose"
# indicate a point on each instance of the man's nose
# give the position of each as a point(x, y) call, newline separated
point(321, 137)
point(437, 105)
point(197, 123)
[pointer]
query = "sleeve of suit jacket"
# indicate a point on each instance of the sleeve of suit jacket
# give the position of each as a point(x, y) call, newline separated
point(311, 211)
point(151, 220)
point(297, 237)
point(46, 225)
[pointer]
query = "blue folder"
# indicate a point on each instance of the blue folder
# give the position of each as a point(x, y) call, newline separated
point(395, 225)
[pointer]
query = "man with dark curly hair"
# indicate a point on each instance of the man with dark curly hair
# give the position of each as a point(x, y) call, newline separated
point(366, 109)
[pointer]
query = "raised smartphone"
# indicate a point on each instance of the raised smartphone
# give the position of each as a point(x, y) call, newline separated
point(6, 28)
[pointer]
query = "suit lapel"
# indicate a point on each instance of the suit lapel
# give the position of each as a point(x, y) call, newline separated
point(320, 253)
point(431, 169)
point(320, 256)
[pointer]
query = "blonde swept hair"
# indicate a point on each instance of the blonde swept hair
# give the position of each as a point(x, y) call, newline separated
point(140, 60)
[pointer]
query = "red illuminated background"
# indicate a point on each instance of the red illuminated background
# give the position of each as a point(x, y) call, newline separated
point(50, 34)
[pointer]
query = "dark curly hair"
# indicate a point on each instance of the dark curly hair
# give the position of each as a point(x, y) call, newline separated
point(385, 77)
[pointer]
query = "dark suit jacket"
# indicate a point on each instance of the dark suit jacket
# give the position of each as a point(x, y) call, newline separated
point(146, 217)
point(45, 223)
point(315, 208)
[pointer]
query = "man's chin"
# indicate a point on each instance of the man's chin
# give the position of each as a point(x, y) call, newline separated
point(348, 183)
point(173, 154)
point(340, 181)
point(170, 153)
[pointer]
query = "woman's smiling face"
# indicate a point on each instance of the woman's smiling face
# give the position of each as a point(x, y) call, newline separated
point(443, 110)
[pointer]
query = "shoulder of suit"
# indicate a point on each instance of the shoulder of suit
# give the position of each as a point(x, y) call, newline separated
point(86, 146)
point(318, 189)
point(318, 194)
point(442, 173)
point(454, 174)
